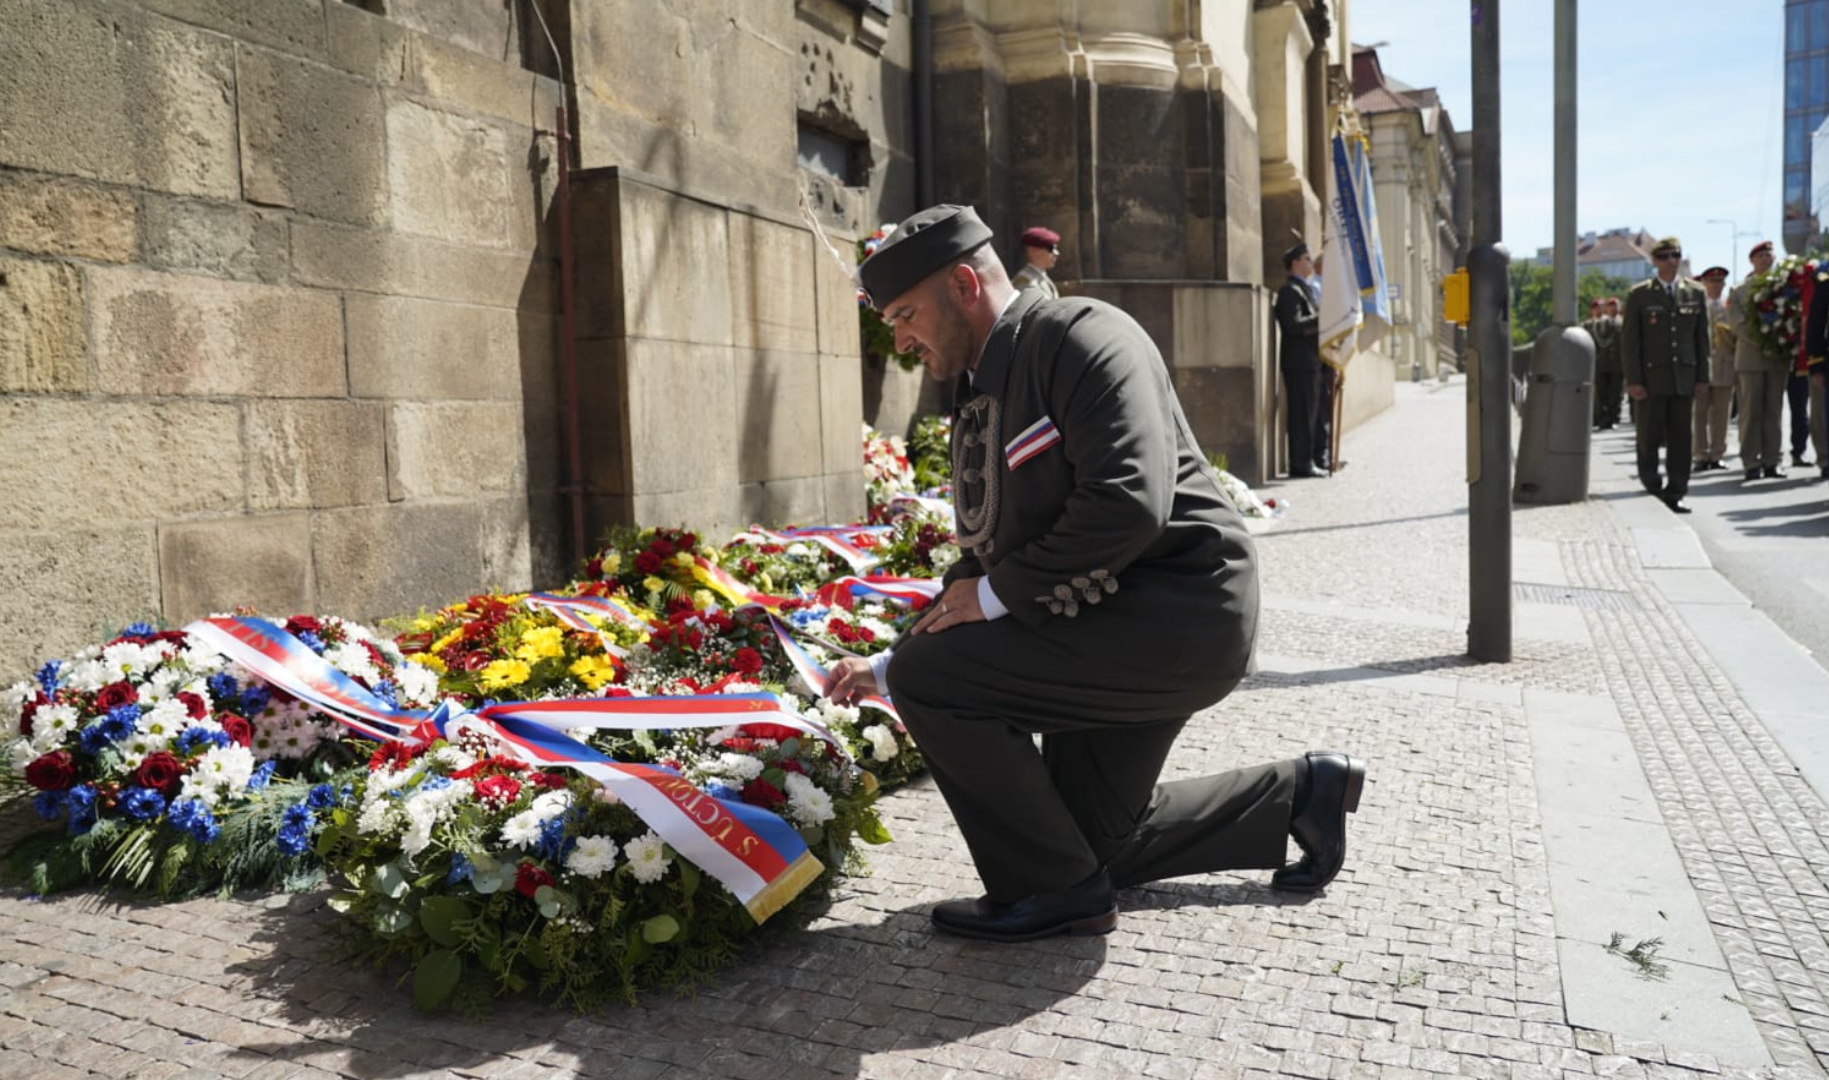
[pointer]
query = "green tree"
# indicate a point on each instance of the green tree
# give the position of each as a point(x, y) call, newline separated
point(1532, 290)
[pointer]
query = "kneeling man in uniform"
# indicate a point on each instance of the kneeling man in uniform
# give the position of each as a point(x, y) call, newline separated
point(1108, 591)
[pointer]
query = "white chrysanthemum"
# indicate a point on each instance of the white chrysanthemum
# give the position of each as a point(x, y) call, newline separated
point(741, 766)
point(375, 815)
point(200, 659)
point(163, 722)
point(523, 829)
point(87, 676)
point(453, 757)
point(418, 684)
point(222, 770)
point(377, 807)
point(593, 856)
point(425, 809)
point(290, 731)
point(943, 557)
point(12, 703)
point(806, 803)
point(51, 725)
point(353, 660)
point(832, 714)
point(20, 753)
point(798, 550)
point(648, 858)
point(131, 657)
point(882, 742)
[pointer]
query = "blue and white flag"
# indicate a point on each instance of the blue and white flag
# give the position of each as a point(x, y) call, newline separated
point(1355, 302)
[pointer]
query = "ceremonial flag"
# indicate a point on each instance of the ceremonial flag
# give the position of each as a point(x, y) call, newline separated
point(1355, 300)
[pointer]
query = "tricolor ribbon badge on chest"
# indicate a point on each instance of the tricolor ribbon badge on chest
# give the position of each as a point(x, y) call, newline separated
point(1030, 442)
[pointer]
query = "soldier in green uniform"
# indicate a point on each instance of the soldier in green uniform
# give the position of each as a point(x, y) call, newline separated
point(1108, 591)
point(1664, 349)
point(1603, 326)
point(1762, 379)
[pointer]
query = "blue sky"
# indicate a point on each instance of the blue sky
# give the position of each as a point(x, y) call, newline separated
point(1680, 115)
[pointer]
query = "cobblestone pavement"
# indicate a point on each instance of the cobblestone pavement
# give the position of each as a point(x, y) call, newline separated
point(1434, 955)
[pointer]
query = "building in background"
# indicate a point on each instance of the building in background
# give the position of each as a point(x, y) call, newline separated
point(1423, 213)
point(1806, 107)
point(1623, 253)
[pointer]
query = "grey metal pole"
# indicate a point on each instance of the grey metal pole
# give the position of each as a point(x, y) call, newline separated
point(1489, 339)
point(1562, 272)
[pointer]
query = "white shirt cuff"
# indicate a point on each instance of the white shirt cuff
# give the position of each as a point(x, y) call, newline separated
point(987, 601)
point(879, 670)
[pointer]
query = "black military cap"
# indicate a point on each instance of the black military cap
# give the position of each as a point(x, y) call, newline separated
point(1294, 253)
point(920, 245)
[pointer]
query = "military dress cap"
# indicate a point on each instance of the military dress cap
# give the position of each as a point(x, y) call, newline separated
point(1294, 253)
point(1669, 243)
point(1040, 237)
point(921, 244)
point(1713, 273)
point(1763, 245)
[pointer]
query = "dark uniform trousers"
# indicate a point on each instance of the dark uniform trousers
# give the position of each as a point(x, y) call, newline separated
point(1666, 420)
point(1797, 396)
point(1302, 416)
point(1106, 726)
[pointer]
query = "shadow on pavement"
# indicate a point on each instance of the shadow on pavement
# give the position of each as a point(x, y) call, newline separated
point(821, 999)
point(1457, 512)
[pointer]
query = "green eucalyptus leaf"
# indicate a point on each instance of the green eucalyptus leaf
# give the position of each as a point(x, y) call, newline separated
point(790, 748)
point(439, 915)
point(689, 878)
point(486, 882)
point(871, 830)
point(392, 919)
point(435, 977)
point(389, 881)
point(660, 929)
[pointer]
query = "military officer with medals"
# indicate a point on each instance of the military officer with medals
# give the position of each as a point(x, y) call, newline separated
point(1603, 326)
point(1762, 380)
point(1108, 592)
point(1664, 349)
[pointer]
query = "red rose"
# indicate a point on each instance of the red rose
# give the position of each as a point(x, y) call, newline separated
point(161, 772)
point(55, 771)
point(688, 541)
point(748, 661)
point(549, 781)
point(528, 878)
point(647, 562)
point(304, 624)
point(194, 704)
point(594, 568)
point(662, 548)
point(30, 710)
point(114, 695)
point(760, 792)
point(239, 731)
point(777, 732)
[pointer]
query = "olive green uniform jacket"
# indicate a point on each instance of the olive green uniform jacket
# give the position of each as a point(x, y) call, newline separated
point(1605, 332)
point(1664, 340)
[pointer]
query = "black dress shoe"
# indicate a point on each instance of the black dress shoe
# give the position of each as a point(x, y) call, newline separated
point(1087, 908)
point(1676, 506)
point(1752, 474)
point(1303, 474)
point(1772, 472)
point(1334, 783)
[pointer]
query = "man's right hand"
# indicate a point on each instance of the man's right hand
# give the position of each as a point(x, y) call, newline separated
point(1636, 391)
point(849, 679)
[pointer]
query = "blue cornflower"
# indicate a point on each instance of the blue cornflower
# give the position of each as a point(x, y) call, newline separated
point(121, 720)
point(461, 869)
point(94, 738)
point(386, 691)
point(47, 676)
point(254, 700)
point(139, 630)
point(434, 782)
point(193, 737)
point(321, 797)
point(296, 823)
point(263, 775)
point(554, 845)
point(142, 804)
point(223, 686)
point(49, 804)
point(81, 800)
point(193, 817)
point(312, 642)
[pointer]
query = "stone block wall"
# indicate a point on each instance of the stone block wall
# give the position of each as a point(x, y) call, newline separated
point(277, 312)
point(718, 353)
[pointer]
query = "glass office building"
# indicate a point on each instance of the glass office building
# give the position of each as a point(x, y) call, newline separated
point(1806, 106)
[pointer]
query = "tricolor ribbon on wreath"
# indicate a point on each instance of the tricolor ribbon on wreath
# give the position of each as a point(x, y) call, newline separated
point(833, 538)
point(758, 856)
point(571, 610)
point(814, 674)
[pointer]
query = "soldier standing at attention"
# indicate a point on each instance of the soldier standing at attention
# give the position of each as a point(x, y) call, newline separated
point(1091, 525)
point(1762, 380)
point(1603, 327)
point(1716, 396)
point(1664, 349)
point(1040, 249)
point(1298, 321)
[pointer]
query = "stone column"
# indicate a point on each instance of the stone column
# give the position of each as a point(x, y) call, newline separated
point(1287, 113)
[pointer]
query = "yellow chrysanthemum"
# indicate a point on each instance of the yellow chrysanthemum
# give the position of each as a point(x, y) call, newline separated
point(503, 673)
point(444, 642)
point(539, 643)
point(593, 671)
point(703, 600)
point(432, 661)
point(612, 563)
point(683, 558)
point(653, 584)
